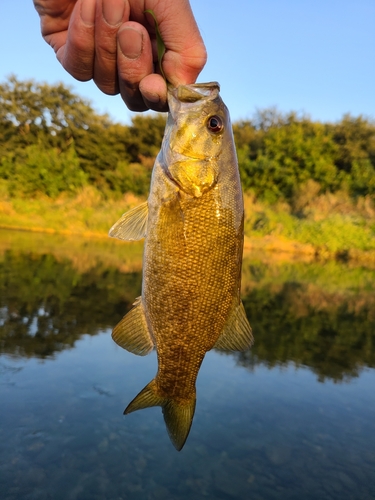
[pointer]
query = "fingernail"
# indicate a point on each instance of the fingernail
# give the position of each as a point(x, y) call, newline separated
point(130, 41)
point(153, 98)
point(113, 11)
point(88, 11)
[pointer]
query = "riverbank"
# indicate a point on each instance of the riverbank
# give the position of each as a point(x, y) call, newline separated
point(329, 228)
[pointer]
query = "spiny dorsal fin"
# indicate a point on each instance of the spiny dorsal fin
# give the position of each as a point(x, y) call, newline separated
point(132, 332)
point(236, 335)
point(132, 225)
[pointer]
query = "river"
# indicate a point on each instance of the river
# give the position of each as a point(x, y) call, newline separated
point(293, 418)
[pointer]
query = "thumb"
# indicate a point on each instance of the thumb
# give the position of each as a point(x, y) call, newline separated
point(185, 54)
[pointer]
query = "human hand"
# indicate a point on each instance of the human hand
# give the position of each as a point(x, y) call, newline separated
point(113, 42)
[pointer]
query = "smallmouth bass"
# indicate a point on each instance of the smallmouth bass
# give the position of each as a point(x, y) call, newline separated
point(192, 223)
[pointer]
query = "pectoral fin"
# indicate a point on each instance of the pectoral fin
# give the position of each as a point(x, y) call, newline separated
point(132, 333)
point(132, 225)
point(236, 335)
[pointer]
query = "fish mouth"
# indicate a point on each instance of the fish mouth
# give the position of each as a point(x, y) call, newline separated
point(197, 91)
point(181, 157)
point(185, 94)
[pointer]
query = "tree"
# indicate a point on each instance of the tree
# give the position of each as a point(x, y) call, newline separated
point(35, 171)
point(44, 127)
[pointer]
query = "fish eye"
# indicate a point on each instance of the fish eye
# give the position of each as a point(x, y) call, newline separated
point(215, 124)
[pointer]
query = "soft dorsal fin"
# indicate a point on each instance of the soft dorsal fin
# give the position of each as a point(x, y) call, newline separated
point(132, 332)
point(132, 225)
point(236, 335)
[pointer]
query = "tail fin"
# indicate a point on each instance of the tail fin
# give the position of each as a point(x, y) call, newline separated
point(178, 416)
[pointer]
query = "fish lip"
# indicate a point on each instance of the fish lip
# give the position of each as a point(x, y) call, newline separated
point(181, 156)
point(190, 94)
point(194, 92)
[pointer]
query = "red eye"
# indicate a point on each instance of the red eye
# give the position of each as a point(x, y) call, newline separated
point(215, 124)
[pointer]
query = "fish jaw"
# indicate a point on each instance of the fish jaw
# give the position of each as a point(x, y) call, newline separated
point(192, 93)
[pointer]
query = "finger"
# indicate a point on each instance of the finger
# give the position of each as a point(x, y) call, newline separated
point(134, 62)
point(54, 20)
point(185, 54)
point(154, 92)
point(110, 14)
point(77, 54)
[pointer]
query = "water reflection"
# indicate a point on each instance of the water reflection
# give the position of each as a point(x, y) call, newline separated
point(299, 312)
point(332, 333)
point(46, 304)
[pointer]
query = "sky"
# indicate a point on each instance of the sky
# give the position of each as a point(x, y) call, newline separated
point(315, 57)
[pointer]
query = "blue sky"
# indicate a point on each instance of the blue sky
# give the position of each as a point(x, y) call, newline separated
point(311, 56)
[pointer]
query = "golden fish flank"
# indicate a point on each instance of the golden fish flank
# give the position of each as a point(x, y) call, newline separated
point(193, 228)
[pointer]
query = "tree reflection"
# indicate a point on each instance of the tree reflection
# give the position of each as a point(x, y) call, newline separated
point(47, 304)
point(331, 333)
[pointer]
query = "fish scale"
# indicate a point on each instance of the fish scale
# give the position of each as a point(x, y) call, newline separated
point(193, 228)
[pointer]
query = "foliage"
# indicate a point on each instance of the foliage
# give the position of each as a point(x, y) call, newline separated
point(89, 213)
point(326, 224)
point(278, 154)
point(35, 170)
point(50, 128)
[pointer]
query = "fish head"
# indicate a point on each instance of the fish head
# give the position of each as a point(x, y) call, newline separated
point(196, 132)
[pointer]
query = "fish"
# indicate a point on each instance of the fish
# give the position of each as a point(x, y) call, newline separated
point(193, 225)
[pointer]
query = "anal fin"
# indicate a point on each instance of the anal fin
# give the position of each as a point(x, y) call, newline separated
point(237, 334)
point(132, 332)
point(132, 225)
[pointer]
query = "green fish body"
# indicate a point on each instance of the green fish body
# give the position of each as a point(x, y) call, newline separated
point(193, 228)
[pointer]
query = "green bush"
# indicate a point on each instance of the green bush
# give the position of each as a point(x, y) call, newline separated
point(34, 171)
point(52, 141)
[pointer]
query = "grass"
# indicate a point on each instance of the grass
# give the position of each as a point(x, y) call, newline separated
point(83, 253)
point(88, 214)
point(261, 270)
point(327, 226)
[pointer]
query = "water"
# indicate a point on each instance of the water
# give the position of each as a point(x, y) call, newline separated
point(294, 418)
